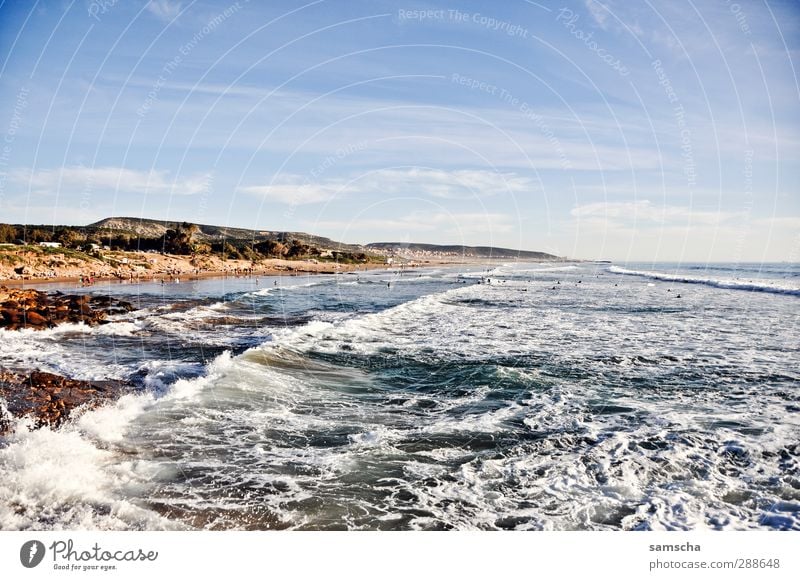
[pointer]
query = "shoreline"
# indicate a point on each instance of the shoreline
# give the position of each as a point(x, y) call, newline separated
point(48, 399)
point(34, 267)
point(25, 283)
point(279, 268)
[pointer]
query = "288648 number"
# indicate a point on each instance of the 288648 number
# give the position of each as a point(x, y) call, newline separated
point(749, 563)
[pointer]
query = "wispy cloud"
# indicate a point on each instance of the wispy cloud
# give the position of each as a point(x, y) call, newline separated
point(453, 226)
point(787, 222)
point(644, 231)
point(644, 213)
point(76, 178)
point(598, 11)
point(417, 181)
point(294, 189)
point(164, 9)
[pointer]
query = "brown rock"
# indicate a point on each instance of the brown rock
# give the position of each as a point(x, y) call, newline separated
point(10, 316)
point(37, 310)
point(34, 319)
point(50, 398)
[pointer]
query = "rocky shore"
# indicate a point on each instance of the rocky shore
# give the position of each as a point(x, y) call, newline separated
point(39, 310)
point(47, 398)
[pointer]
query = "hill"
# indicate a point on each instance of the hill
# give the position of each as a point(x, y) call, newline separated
point(138, 234)
point(147, 228)
point(410, 249)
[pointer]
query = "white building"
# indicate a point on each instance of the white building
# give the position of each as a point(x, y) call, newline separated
point(49, 244)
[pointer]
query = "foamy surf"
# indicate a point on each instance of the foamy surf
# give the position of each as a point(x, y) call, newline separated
point(772, 286)
point(438, 402)
point(82, 475)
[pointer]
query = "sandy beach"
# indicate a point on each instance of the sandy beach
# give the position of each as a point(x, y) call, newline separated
point(33, 266)
point(41, 268)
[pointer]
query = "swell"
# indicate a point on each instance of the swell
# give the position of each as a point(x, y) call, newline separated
point(749, 286)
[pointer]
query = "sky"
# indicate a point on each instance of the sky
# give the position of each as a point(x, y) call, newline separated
point(630, 131)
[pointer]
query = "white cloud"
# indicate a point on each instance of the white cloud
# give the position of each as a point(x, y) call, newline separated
point(584, 138)
point(640, 231)
point(598, 11)
point(644, 213)
point(454, 226)
point(787, 222)
point(78, 178)
point(417, 181)
point(293, 189)
point(164, 9)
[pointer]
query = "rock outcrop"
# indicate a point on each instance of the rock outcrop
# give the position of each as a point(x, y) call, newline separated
point(49, 399)
point(40, 310)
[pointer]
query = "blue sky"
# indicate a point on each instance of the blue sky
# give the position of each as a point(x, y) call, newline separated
point(621, 130)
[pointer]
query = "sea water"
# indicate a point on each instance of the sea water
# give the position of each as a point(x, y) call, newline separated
point(515, 396)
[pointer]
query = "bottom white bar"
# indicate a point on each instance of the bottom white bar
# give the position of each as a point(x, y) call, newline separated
point(355, 555)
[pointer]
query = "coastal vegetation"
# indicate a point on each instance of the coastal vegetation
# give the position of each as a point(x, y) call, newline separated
point(96, 241)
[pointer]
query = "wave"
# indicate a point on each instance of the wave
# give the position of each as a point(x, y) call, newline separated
point(283, 288)
point(538, 270)
point(727, 284)
point(46, 350)
point(760, 269)
point(77, 477)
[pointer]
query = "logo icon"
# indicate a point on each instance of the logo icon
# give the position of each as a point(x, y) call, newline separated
point(31, 553)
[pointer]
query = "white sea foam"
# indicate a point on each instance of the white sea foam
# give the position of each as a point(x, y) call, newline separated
point(46, 350)
point(288, 286)
point(62, 480)
point(75, 477)
point(757, 285)
point(588, 406)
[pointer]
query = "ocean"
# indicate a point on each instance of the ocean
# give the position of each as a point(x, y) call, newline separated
point(519, 396)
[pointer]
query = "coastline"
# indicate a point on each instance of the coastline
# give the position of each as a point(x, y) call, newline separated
point(31, 282)
point(30, 303)
point(43, 270)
